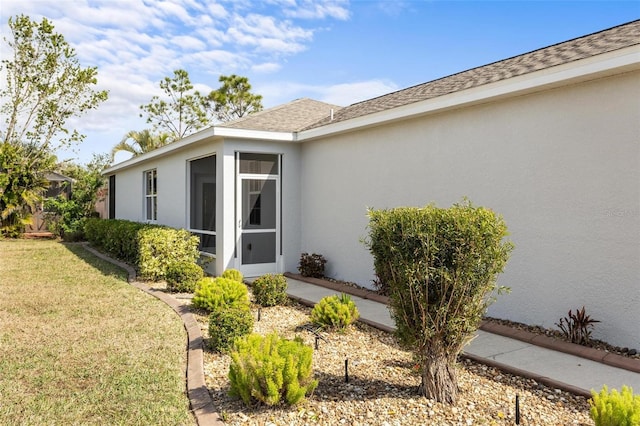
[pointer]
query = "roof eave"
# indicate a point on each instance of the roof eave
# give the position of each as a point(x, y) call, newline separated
point(209, 133)
point(615, 62)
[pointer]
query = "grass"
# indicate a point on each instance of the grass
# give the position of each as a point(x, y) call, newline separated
point(79, 345)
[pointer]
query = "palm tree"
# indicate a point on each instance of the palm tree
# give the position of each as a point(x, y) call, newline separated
point(141, 142)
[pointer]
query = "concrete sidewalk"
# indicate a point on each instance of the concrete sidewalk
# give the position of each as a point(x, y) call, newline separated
point(551, 367)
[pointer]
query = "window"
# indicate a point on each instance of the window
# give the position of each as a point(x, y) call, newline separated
point(263, 164)
point(151, 195)
point(202, 205)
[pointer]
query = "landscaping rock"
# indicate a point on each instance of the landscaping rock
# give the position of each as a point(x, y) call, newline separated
point(383, 385)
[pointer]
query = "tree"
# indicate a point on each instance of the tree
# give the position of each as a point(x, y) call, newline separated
point(183, 113)
point(441, 267)
point(234, 98)
point(45, 86)
point(138, 143)
point(21, 187)
point(185, 110)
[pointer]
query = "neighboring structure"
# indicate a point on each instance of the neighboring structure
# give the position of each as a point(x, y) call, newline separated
point(549, 139)
point(58, 185)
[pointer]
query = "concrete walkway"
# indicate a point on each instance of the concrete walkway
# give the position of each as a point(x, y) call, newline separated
point(547, 365)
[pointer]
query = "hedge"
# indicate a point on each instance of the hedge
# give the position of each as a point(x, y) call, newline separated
point(150, 248)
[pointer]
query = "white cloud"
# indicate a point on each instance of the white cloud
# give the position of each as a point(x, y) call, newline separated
point(314, 9)
point(266, 68)
point(267, 33)
point(188, 42)
point(136, 43)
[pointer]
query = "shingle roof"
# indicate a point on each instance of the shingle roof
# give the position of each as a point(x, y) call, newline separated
point(580, 48)
point(289, 117)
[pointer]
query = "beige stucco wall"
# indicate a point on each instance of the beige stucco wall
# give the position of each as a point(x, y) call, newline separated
point(562, 167)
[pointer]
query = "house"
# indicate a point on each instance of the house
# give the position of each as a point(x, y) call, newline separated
point(550, 139)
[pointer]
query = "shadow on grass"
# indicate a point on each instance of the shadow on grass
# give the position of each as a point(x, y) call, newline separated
point(104, 267)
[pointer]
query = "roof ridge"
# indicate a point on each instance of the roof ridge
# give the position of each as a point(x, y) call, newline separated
point(501, 60)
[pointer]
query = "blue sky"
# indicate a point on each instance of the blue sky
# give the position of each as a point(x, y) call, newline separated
point(336, 51)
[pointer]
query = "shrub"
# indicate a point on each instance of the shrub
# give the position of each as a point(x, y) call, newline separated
point(271, 370)
point(182, 276)
point(335, 312)
point(312, 265)
point(441, 266)
point(577, 327)
point(228, 323)
point(270, 290)
point(116, 237)
point(615, 409)
point(233, 274)
point(159, 246)
point(151, 248)
point(214, 293)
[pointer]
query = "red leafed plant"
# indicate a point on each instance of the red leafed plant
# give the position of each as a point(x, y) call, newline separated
point(577, 327)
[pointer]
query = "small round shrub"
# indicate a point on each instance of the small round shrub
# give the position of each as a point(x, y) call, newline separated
point(227, 324)
point(312, 265)
point(335, 312)
point(183, 276)
point(270, 370)
point(213, 293)
point(270, 290)
point(233, 274)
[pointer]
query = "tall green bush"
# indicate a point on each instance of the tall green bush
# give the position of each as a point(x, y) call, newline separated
point(213, 293)
point(271, 370)
point(441, 266)
point(615, 408)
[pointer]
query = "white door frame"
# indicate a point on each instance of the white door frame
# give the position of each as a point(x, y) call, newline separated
point(257, 269)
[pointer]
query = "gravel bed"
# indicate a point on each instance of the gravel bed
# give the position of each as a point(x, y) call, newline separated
point(382, 387)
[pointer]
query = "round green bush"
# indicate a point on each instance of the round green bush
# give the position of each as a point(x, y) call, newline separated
point(213, 293)
point(227, 324)
point(233, 274)
point(335, 312)
point(270, 290)
point(183, 276)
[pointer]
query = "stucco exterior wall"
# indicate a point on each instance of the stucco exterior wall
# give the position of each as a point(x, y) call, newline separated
point(562, 166)
point(172, 198)
point(171, 186)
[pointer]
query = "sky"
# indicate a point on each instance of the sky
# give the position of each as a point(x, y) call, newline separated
point(336, 51)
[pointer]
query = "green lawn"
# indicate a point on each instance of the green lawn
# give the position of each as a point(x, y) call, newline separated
point(78, 345)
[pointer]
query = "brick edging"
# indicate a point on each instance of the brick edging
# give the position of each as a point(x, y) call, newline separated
point(199, 398)
point(607, 358)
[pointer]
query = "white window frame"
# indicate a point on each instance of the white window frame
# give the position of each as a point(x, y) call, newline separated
point(152, 196)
